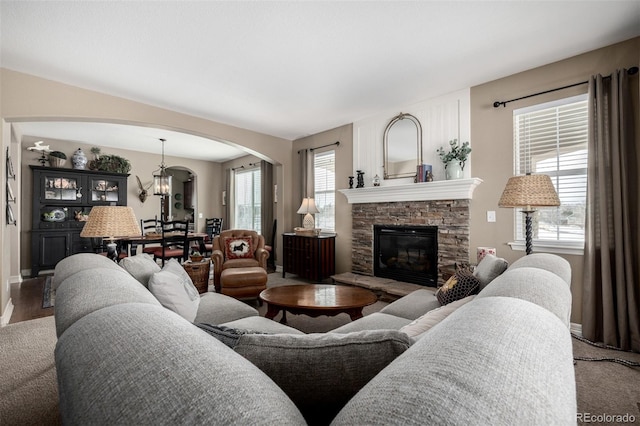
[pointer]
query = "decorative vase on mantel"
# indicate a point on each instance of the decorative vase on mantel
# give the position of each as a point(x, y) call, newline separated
point(454, 170)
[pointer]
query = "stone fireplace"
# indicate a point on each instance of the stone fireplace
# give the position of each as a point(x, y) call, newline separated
point(443, 205)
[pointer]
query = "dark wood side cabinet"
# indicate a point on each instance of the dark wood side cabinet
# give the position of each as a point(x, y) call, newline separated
point(59, 195)
point(312, 258)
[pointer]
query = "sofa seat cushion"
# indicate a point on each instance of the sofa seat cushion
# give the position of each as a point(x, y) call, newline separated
point(216, 308)
point(79, 262)
point(413, 305)
point(374, 321)
point(133, 364)
point(320, 372)
point(92, 289)
point(173, 287)
point(427, 321)
point(260, 324)
point(535, 285)
point(475, 367)
point(141, 267)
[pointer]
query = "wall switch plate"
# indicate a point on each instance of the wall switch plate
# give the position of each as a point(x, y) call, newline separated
point(491, 216)
point(199, 215)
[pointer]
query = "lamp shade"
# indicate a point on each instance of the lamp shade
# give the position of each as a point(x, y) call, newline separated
point(308, 206)
point(529, 191)
point(110, 221)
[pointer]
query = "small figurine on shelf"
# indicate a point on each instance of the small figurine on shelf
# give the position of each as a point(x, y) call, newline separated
point(360, 183)
point(350, 182)
point(376, 180)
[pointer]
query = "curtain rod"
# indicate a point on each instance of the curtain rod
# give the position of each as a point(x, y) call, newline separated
point(242, 167)
point(337, 143)
point(496, 104)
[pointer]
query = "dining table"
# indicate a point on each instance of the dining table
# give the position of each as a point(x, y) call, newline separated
point(129, 244)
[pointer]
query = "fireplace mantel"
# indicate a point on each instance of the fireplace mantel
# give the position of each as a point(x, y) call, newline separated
point(456, 189)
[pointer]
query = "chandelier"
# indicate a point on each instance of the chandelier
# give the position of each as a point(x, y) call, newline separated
point(162, 181)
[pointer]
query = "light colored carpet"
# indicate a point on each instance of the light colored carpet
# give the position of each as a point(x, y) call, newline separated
point(28, 382)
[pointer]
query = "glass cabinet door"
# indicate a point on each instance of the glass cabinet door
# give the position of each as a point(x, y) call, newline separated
point(104, 190)
point(61, 188)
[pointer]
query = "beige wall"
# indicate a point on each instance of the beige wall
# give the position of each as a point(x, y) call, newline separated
point(344, 169)
point(28, 98)
point(492, 141)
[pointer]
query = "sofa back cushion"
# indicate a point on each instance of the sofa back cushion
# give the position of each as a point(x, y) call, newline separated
point(489, 268)
point(535, 285)
point(550, 262)
point(321, 372)
point(484, 364)
point(79, 262)
point(136, 364)
point(92, 289)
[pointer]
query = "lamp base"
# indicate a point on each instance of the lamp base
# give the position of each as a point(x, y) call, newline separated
point(528, 227)
point(112, 251)
point(308, 222)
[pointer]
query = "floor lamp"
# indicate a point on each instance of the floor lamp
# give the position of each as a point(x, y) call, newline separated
point(528, 192)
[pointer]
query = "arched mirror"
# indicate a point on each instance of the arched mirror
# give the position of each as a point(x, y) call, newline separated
point(402, 147)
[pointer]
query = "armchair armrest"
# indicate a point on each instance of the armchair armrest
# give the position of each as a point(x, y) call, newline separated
point(261, 256)
point(217, 258)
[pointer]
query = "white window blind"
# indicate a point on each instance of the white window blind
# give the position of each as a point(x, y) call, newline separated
point(551, 138)
point(247, 206)
point(325, 189)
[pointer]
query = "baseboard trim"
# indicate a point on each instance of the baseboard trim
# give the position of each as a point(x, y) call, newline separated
point(6, 317)
point(576, 329)
point(15, 279)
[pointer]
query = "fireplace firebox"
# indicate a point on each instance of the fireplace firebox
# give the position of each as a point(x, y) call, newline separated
point(406, 253)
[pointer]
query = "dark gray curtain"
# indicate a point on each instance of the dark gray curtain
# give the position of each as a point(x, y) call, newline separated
point(306, 179)
point(611, 302)
point(266, 201)
point(227, 206)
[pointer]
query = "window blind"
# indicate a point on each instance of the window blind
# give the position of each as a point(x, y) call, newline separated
point(324, 166)
point(247, 199)
point(551, 138)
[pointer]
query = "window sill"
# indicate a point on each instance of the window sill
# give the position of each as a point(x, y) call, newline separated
point(575, 248)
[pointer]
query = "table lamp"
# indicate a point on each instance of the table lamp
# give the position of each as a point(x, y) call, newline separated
point(111, 222)
point(308, 208)
point(529, 191)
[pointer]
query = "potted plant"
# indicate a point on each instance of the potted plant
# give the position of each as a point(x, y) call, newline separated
point(110, 163)
point(57, 158)
point(455, 159)
point(196, 256)
point(96, 152)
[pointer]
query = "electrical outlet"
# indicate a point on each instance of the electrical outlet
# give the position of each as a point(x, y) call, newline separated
point(199, 215)
point(491, 216)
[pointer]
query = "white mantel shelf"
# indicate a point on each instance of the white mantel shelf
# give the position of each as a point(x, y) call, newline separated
point(457, 189)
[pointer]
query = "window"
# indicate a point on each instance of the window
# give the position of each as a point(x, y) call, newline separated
point(247, 206)
point(324, 175)
point(551, 138)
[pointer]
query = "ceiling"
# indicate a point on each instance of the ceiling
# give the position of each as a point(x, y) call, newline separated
point(290, 68)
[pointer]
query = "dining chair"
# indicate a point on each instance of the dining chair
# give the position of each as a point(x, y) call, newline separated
point(149, 226)
point(175, 242)
point(213, 227)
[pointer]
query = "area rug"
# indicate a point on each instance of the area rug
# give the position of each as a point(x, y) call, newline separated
point(48, 294)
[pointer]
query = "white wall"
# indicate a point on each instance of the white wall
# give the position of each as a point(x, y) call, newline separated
point(442, 119)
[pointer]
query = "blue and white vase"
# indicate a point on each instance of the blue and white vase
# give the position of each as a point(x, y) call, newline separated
point(79, 159)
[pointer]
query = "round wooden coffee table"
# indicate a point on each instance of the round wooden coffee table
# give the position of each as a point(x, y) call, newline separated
point(316, 299)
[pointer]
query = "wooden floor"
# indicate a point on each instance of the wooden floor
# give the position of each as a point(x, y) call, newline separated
point(27, 300)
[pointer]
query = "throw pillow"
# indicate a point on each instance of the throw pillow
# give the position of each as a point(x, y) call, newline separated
point(489, 268)
point(141, 267)
point(459, 286)
point(238, 248)
point(175, 291)
point(320, 372)
point(433, 317)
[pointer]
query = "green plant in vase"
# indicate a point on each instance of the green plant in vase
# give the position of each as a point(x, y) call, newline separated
point(455, 159)
point(57, 158)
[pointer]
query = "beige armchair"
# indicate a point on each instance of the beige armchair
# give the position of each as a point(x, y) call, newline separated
point(239, 263)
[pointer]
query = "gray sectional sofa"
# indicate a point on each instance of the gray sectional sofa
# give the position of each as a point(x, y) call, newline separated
point(503, 358)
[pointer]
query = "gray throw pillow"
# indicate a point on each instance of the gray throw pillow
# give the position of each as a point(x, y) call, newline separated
point(489, 268)
point(320, 372)
point(141, 267)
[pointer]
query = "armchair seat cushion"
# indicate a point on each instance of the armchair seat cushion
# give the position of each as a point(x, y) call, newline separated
point(240, 263)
